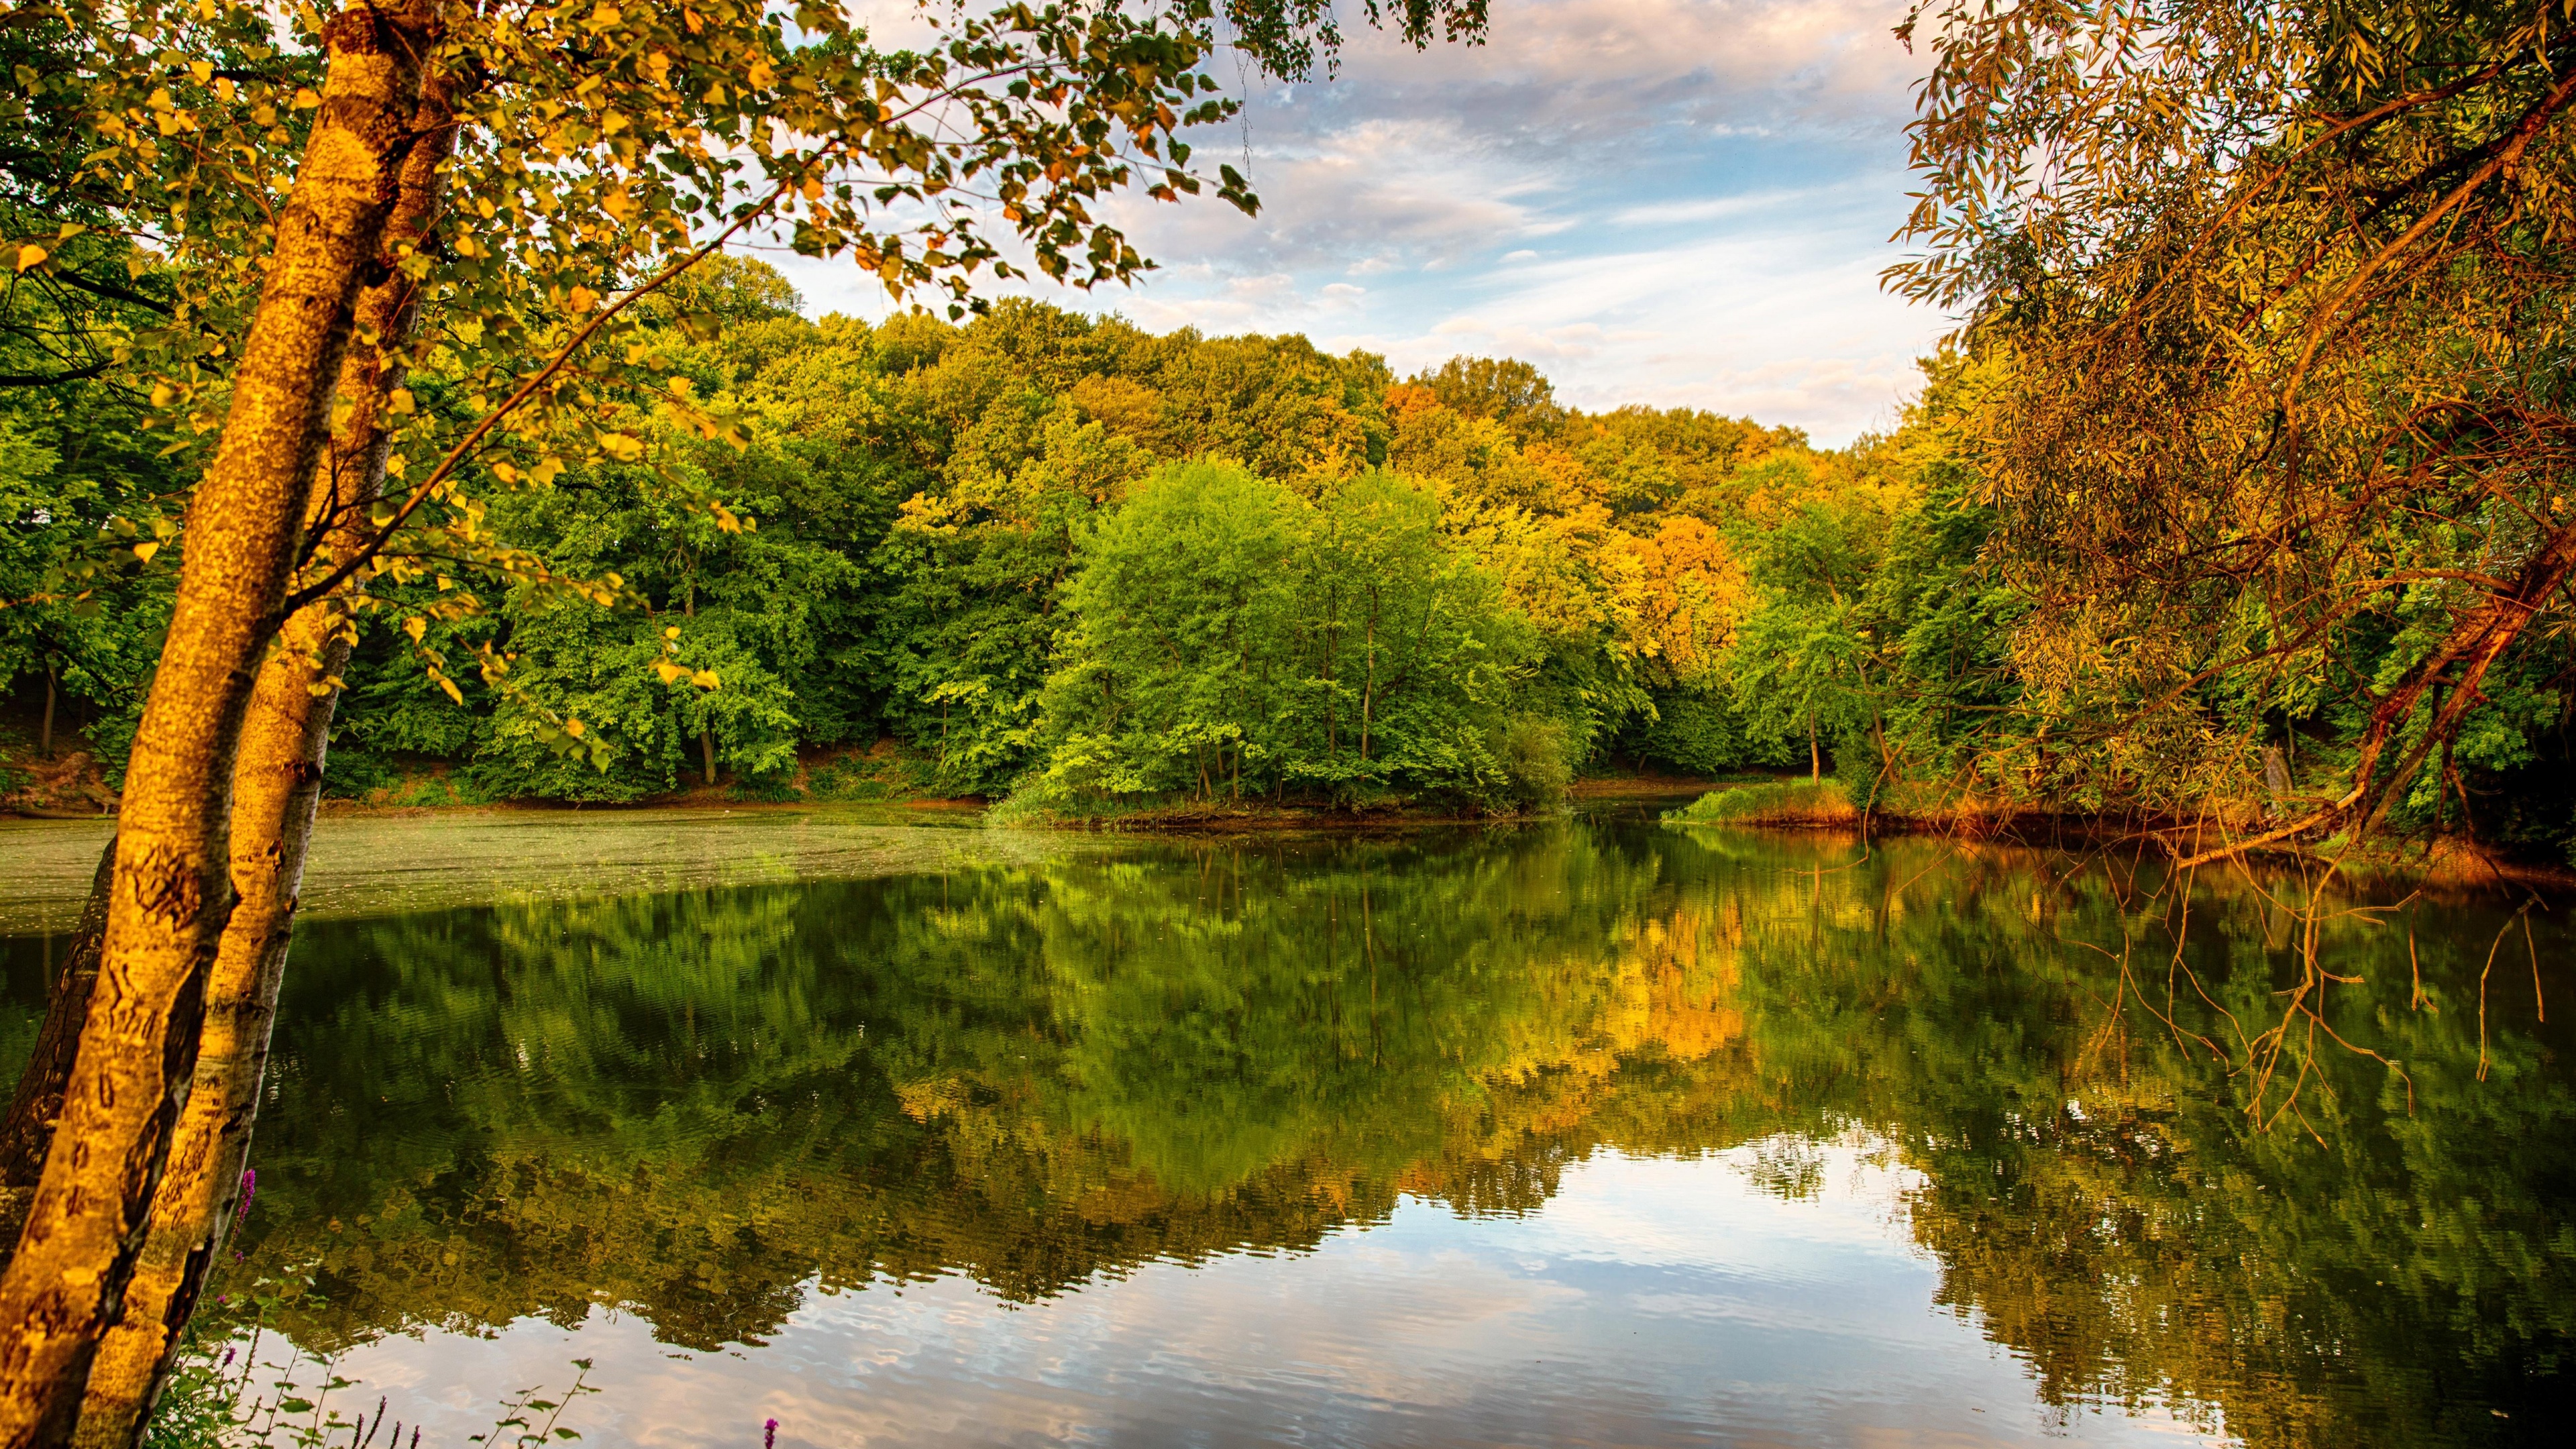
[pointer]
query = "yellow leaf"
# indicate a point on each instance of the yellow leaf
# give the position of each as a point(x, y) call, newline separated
point(453, 692)
point(305, 100)
point(144, 551)
point(671, 633)
point(704, 679)
point(583, 299)
point(574, 727)
point(399, 401)
point(415, 627)
point(669, 671)
point(31, 255)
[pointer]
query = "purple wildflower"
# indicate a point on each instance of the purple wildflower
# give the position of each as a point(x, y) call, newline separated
point(769, 1435)
point(228, 1360)
point(249, 1190)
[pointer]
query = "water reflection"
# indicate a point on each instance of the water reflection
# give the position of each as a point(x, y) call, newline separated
point(1584, 1134)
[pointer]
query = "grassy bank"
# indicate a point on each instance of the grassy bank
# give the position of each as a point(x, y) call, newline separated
point(1777, 802)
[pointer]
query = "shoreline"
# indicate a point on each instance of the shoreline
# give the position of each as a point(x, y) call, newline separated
point(2445, 861)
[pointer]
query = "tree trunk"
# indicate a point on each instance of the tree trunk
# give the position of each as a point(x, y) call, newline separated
point(38, 1103)
point(2475, 642)
point(1332, 714)
point(45, 739)
point(170, 895)
point(277, 785)
point(1815, 756)
point(706, 737)
point(1368, 691)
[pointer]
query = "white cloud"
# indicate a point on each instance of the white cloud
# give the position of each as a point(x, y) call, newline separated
point(1712, 182)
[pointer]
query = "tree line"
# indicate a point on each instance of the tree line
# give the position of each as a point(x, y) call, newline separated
point(1049, 551)
point(1070, 562)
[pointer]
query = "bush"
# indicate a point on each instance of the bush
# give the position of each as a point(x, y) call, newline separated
point(1784, 802)
point(1535, 769)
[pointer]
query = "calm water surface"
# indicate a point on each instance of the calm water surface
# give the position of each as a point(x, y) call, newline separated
point(1592, 1133)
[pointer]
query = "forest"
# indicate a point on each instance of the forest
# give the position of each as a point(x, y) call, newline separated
point(1082, 568)
point(1057, 555)
point(2116, 558)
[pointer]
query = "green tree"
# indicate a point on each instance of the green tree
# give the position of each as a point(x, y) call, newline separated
point(1176, 678)
point(1803, 660)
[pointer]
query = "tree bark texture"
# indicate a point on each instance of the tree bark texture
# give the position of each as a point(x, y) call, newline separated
point(29, 1128)
point(171, 892)
point(277, 785)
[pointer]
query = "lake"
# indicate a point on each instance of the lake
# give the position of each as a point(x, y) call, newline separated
point(1592, 1132)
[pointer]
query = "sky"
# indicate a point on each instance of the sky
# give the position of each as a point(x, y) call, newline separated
point(1681, 203)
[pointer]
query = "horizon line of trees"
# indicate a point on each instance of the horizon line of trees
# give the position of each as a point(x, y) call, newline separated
point(1070, 561)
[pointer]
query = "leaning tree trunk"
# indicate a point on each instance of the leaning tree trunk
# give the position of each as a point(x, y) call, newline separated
point(277, 783)
point(171, 893)
point(2478, 638)
point(28, 1130)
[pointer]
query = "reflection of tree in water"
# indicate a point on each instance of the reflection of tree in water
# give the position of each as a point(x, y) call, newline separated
point(693, 1105)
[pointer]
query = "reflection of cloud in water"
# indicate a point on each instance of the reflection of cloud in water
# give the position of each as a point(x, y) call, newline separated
point(1653, 1301)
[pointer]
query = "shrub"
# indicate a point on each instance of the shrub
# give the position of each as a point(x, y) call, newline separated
point(1783, 802)
point(1535, 769)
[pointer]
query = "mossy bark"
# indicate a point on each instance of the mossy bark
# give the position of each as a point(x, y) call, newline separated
point(171, 893)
